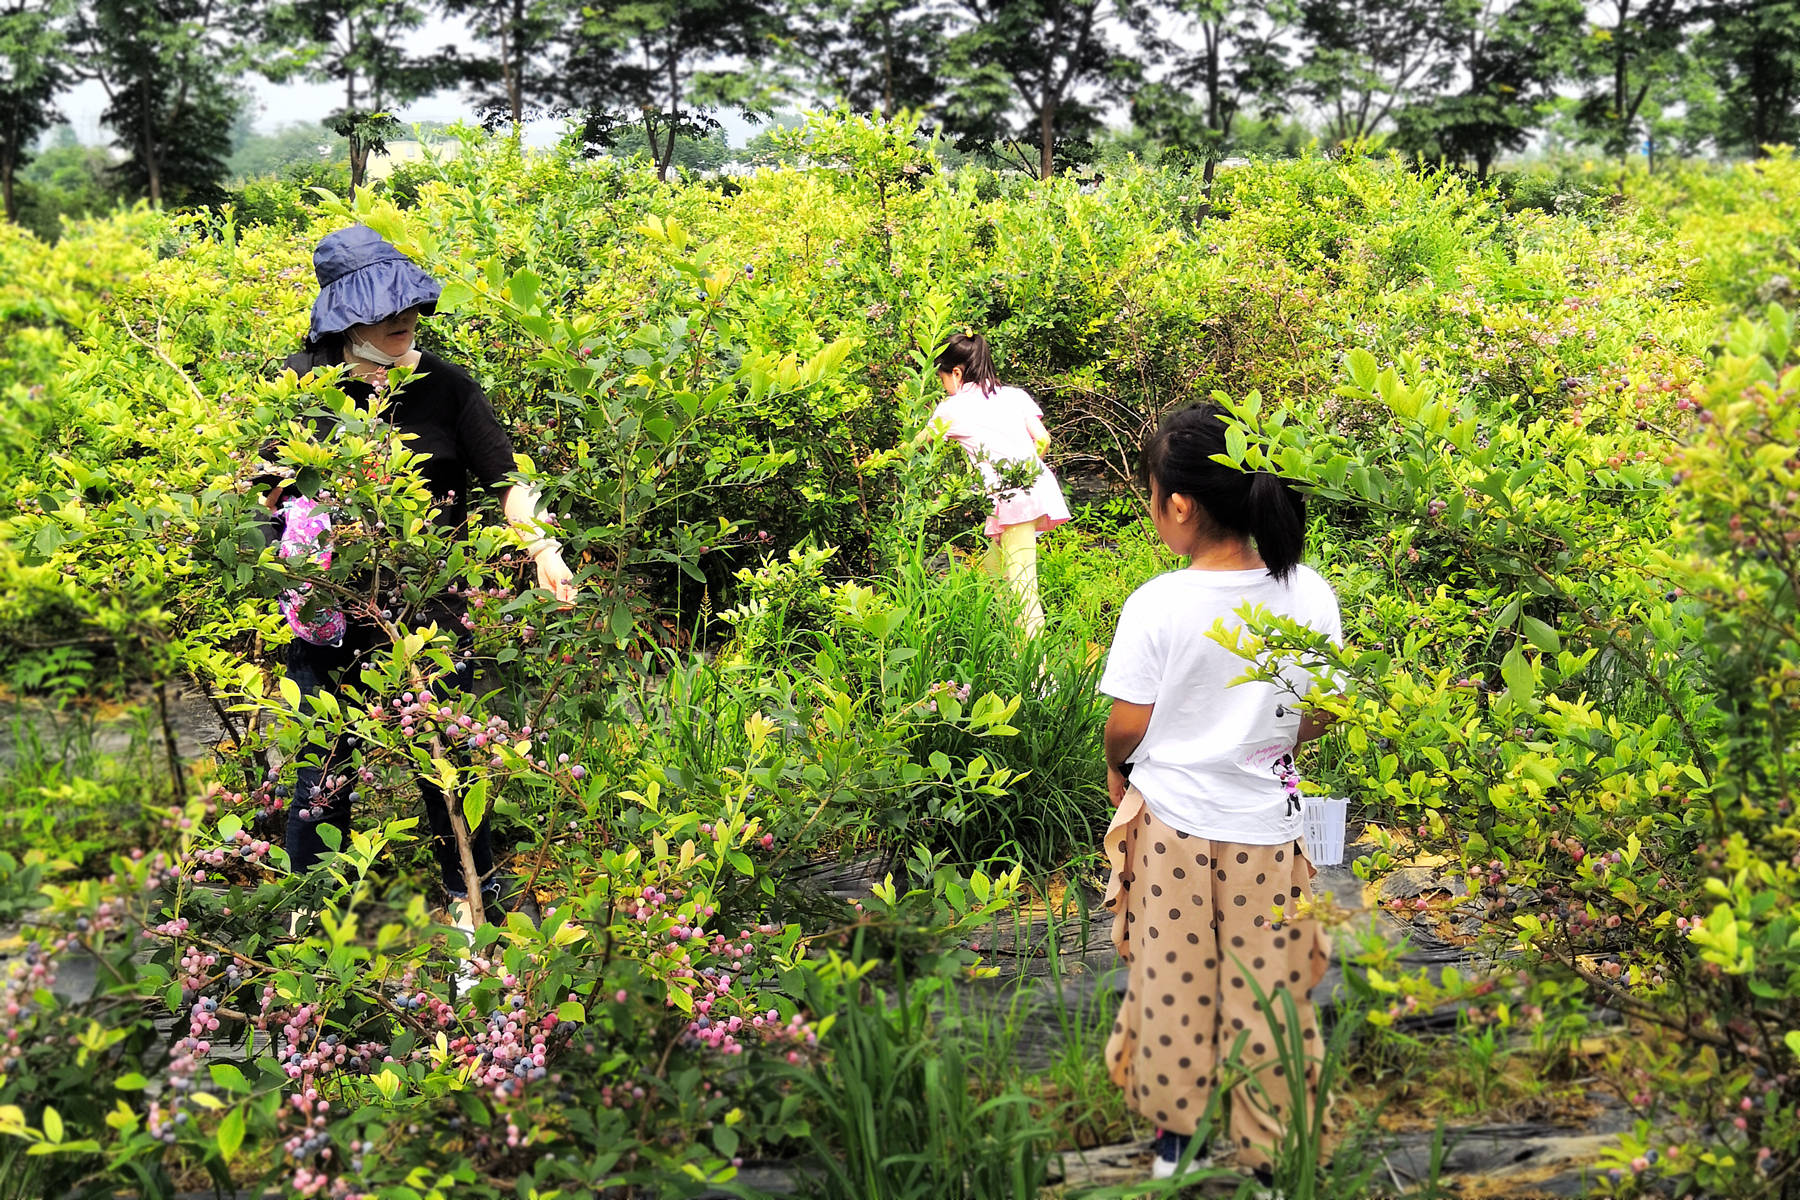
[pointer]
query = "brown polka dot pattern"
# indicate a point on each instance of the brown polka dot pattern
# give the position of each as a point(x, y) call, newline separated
point(1165, 1055)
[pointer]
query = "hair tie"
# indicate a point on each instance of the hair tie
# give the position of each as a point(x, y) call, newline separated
point(968, 331)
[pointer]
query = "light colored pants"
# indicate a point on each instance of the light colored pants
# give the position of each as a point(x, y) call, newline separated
point(1013, 557)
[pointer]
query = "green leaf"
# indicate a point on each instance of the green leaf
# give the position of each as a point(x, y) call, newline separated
point(1792, 1039)
point(53, 1124)
point(620, 621)
point(1541, 635)
point(570, 1010)
point(231, 1133)
point(474, 1109)
point(48, 541)
point(1779, 332)
point(229, 1078)
point(1362, 369)
point(1236, 443)
point(454, 296)
point(475, 806)
point(290, 692)
point(131, 1081)
point(524, 288)
point(1521, 681)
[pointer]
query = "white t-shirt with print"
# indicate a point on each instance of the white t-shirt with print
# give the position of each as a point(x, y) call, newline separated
point(1215, 757)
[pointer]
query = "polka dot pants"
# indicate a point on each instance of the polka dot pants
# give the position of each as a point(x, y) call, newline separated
point(1191, 917)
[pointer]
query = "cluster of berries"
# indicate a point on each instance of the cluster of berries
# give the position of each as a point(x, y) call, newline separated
point(164, 1121)
point(25, 976)
point(513, 1050)
point(241, 848)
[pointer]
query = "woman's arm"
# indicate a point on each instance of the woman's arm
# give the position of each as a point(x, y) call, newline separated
point(554, 576)
point(1125, 727)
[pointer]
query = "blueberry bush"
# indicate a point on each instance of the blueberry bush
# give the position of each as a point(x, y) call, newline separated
point(1551, 450)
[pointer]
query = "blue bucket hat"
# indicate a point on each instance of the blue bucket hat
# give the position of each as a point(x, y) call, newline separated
point(362, 280)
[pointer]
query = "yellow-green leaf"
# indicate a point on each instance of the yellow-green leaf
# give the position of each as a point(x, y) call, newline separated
point(231, 1133)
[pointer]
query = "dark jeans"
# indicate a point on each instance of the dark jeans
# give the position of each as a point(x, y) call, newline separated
point(322, 669)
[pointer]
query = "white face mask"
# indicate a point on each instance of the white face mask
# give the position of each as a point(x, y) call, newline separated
point(369, 353)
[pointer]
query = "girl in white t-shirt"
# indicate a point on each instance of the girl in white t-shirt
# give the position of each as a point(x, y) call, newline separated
point(999, 426)
point(1208, 868)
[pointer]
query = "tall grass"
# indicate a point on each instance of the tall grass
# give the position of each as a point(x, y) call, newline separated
point(962, 627)
point(894, 1115)
point(59, 789)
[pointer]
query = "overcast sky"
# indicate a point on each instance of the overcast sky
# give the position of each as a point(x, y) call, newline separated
point(281, 104)
point(287, 103)
point(278, 104)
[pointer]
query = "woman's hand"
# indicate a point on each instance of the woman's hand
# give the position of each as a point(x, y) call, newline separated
point(554, 576)
point(1115, 786)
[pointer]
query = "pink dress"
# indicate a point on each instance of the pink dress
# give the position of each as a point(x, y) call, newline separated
point(993, 428)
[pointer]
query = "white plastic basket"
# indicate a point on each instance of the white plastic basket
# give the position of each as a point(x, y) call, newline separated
point(1323, 822)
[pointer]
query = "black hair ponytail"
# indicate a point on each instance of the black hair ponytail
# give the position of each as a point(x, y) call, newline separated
point(970, 352)
point(1178, 459)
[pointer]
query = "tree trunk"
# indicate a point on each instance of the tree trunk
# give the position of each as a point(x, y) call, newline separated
point(513, 64)
point(359, 157)
point(887, 65)
point(1047, 138)
point(147, 145)
point(8, 171)
point(359, 161)
point(650, 133)
point(1621, 69)
point(663, 160)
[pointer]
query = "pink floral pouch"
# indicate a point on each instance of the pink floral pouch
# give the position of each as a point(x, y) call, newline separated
point(306, 533)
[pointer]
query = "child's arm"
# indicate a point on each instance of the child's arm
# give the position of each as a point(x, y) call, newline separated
point(937, 427)
point(1313, 724)
point(1039, 435)
point(1125, 727)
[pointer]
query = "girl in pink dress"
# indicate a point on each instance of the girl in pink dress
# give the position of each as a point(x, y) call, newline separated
point(999, 427)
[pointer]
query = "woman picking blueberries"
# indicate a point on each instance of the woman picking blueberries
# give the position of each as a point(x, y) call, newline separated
point(1210, 879)
point(365, 319)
